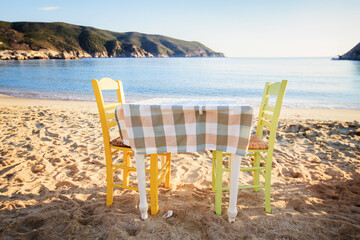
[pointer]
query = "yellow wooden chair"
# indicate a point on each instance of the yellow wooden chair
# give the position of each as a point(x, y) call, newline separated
point(268, 117)
point(107, 119)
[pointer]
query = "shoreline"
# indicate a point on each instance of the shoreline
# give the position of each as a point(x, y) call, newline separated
point(90, 106)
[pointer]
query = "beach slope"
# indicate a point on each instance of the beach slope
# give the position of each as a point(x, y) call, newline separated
point(52, 181)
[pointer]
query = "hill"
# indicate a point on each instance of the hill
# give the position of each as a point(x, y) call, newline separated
point(23, 40)
point(353, 54)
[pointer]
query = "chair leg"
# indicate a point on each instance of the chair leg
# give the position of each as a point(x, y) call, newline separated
point(162, 159)
point(126, 161)
point(168, 173)
point(218, 181)
point(268, 183)
point(256, 173)
point(213, 171)
point(109, 177)
point(154, 184)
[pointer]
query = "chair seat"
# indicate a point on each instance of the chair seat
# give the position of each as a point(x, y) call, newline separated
point(117, 142)
point(256, 143)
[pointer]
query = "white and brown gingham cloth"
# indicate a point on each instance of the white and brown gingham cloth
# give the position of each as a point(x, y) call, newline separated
point(178, 125)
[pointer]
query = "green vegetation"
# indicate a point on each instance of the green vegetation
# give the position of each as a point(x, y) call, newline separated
point(65, 37)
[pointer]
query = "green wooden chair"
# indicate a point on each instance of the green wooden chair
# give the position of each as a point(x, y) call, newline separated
point(268, 117)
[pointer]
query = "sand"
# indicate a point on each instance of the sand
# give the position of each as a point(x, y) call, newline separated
point(52, 181)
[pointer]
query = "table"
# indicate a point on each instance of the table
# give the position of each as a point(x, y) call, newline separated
point(186, 125)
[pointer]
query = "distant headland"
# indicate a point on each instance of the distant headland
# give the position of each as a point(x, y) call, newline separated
point(35, 40)
point(353, 54)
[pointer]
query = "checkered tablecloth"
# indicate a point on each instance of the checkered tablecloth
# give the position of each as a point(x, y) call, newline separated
point(183, 125)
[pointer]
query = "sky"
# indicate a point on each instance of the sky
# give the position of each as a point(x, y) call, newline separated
point(238, 28)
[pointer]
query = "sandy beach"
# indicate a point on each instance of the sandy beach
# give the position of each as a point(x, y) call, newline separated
point(52, 181)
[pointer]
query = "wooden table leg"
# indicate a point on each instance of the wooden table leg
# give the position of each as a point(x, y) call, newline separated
point(140, 171)
point(234, 186)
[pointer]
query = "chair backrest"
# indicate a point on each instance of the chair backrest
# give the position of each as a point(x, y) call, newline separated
point(269, 115)
point(106, 111)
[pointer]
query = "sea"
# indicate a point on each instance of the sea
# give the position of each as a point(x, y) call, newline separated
point(312, 82)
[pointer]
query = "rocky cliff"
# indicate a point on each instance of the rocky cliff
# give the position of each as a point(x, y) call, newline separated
point(31, 40)
point(353, 54)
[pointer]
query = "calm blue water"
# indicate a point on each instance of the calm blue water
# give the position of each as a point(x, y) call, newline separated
point(313, 82)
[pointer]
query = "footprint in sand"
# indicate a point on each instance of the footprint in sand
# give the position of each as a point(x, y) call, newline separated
point(65, 184)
